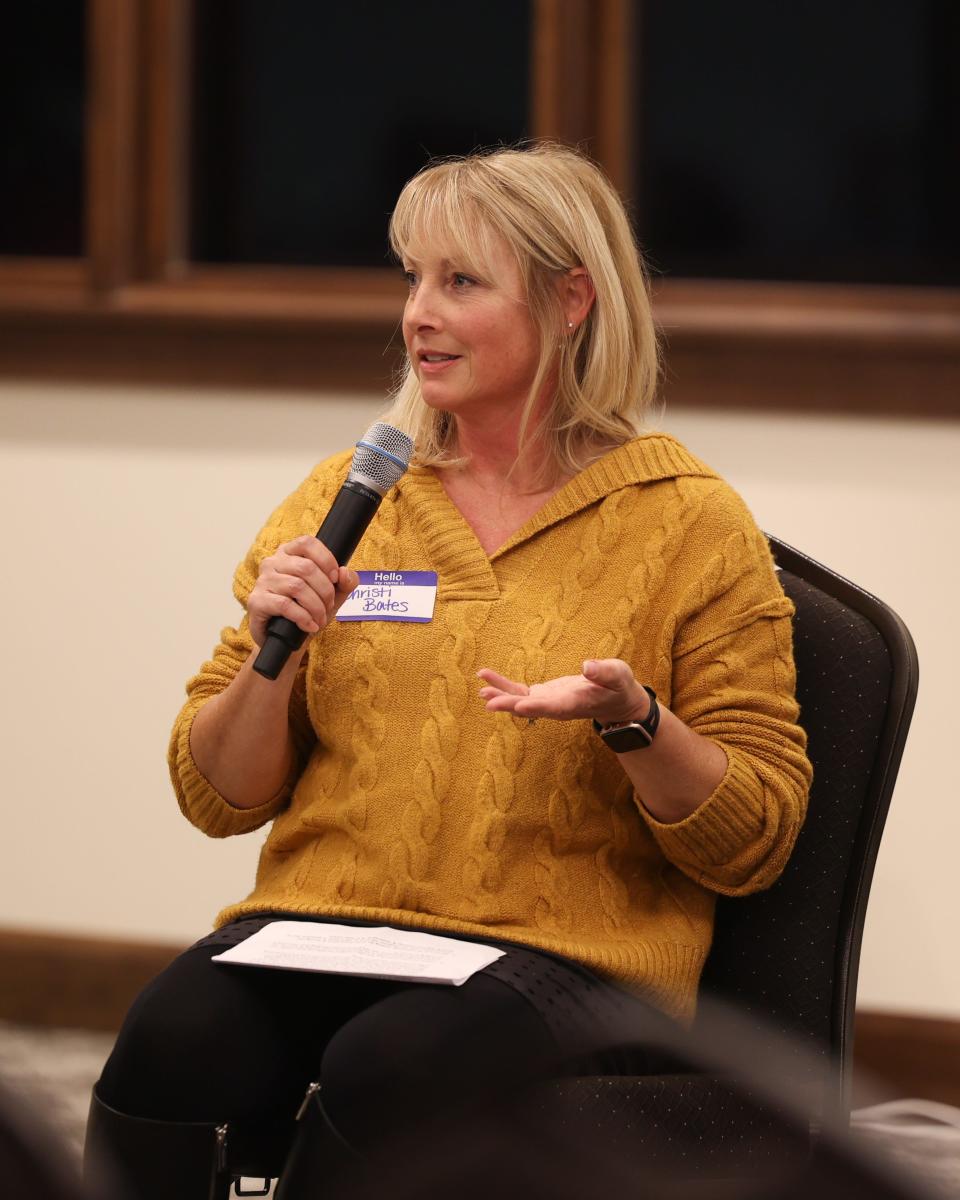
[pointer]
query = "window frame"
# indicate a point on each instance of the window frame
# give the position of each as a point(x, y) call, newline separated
point(135, 308)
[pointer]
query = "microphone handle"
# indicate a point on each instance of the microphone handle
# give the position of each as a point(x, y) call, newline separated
point(342, 528)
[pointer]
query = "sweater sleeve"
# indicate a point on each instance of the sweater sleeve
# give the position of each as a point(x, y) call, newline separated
point(199, 800)
point(734, 682)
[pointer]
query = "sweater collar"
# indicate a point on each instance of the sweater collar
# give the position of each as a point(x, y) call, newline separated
point(646, 459)
point(465, 570)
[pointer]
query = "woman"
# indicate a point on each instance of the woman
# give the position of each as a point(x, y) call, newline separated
point(633, 750)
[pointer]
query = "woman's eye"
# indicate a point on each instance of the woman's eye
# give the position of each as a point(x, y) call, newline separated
point(409, 277)
point(460, 280)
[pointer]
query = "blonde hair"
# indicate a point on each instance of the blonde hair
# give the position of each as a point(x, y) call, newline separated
point(556, 211)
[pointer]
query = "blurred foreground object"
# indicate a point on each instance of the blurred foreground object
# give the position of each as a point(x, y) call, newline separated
point(35, 1164)
point(563, 1140)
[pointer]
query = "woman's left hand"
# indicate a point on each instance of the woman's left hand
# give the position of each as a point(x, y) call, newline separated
point(605, 691)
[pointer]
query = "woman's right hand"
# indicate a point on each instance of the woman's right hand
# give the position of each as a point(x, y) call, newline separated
point(302, 582)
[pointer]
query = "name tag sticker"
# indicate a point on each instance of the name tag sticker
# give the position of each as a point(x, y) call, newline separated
point(391, 596)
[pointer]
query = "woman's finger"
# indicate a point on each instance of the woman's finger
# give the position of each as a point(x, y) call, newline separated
point(282, 566)
point(564, 699)
point(309, 547)
point(502, 683)
point(316, 595)
point(535, 704)
point(273, 604)
point(298, 578)
point(503, 702)
point(346, 582)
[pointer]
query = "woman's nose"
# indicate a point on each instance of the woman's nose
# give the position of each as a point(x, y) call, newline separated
point(422, 310)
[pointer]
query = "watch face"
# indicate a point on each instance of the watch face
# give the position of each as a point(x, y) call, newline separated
point(626, 738)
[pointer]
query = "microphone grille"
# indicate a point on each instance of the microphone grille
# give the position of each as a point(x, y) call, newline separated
point(381, 457)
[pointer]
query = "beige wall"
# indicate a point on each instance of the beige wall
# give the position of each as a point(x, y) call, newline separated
point(127, 510)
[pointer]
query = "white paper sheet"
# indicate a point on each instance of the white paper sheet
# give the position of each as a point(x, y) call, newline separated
point(380, 952)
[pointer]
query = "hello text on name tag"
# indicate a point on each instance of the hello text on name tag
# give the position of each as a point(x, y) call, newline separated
point(391, 596)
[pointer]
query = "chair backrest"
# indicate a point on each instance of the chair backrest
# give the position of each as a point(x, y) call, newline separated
point(791, 954)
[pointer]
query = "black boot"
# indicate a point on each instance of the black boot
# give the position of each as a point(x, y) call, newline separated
point(155, 1160)
point(321, 1162)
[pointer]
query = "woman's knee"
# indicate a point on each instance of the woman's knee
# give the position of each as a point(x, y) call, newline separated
point(196, 1040)
point(427, 1050)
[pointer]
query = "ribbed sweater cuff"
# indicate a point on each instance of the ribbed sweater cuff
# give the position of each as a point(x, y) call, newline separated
point(200, 801)
point(729, 820)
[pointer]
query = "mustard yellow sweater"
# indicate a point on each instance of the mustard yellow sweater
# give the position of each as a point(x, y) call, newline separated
point(412, 804)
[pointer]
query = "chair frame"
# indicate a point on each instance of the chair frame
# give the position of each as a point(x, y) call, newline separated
point(899, 711)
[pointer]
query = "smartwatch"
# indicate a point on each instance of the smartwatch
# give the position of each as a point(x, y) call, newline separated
point(623, 736)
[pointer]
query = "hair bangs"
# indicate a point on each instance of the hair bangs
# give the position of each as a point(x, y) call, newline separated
point(438, 214)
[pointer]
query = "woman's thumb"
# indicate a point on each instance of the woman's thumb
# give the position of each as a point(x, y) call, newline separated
point(347, 580)
point(605, 671)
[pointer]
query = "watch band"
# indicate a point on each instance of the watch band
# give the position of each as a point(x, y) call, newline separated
point(623, 736)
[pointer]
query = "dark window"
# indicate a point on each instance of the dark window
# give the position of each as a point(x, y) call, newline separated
point(809, 141)
point(307, 118)
point(42, 99)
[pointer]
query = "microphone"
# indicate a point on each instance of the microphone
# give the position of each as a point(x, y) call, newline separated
point(380, 459)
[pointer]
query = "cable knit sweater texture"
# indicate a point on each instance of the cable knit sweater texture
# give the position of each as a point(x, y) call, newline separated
point(412, 804)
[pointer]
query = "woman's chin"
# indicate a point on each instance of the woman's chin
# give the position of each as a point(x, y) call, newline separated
point(440, 399)
point(435, 402)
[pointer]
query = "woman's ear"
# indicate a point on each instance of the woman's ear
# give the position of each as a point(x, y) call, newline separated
point(577, 295)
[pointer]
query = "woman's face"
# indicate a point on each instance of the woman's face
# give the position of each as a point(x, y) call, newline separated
point(470, 339)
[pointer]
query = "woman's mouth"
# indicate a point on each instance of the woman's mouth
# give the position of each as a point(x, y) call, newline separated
point(432, 364)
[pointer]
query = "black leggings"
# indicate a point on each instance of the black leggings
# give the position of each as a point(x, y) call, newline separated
point(213, 1043)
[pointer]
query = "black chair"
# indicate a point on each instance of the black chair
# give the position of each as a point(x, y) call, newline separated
point(857, 677)
point(787, 959)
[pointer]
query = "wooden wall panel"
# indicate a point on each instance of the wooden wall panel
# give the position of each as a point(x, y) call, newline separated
point(750, 346)
point(74, 982)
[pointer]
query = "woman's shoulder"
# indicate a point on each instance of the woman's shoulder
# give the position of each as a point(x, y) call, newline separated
point(707, 499)
point(705, 528)
point(660, 457)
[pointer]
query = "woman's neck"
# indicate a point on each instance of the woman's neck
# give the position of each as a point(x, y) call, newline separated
point(495, 461)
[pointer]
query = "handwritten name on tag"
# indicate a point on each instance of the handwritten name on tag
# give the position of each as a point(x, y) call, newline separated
point(391, 596)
